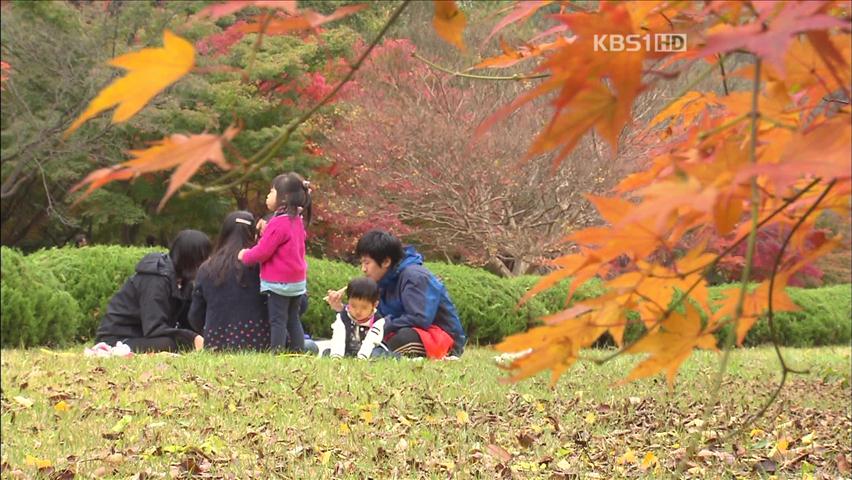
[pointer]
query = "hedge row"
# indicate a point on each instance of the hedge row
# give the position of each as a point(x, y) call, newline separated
point(34, 308)
point(58, 295)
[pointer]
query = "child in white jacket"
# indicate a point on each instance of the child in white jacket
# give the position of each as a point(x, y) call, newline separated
point(356, 332)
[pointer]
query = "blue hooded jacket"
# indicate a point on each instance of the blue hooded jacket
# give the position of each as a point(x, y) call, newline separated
point(411, 296)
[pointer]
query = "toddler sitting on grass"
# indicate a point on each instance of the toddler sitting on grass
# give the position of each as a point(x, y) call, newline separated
point(356, 332)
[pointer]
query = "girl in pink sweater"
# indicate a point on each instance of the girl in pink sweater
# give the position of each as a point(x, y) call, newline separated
point(281, 255)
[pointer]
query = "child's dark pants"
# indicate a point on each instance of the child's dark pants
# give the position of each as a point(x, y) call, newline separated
point(286, 327)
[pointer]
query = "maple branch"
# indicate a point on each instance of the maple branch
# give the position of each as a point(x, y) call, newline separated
point(755, 202)
point(478, 77)
point(265, 154)
point(730, 123)
point(770, 317)
point(749, 256)
point(787, 202)
point(724, 77)
point(706, 270)
point(707, 71)
point(267, 18)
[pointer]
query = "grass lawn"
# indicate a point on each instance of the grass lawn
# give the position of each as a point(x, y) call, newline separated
point(263, 416)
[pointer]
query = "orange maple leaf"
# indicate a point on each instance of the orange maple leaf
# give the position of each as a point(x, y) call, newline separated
point(820, 151)
point(769, 35)
point(187, 153)
point(521, 10)
point(449, 22)
point(671, 344)
point(302, 20)
point(512, 56)
point(150, 71)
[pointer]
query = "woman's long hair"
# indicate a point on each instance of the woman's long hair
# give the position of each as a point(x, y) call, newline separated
point(189, 249)
point(237, 233)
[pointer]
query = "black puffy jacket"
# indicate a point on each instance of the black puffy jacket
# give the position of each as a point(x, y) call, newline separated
point(149, 304)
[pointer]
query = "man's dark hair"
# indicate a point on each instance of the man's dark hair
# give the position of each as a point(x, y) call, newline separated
point(379, 245)
point(189, 249)
point(364, 288)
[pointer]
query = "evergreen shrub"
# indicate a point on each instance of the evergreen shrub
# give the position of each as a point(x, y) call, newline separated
point(92, 275)
point(35, 308)
point(40, 288)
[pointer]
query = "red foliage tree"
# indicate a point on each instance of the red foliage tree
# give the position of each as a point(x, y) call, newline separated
point(402, 153)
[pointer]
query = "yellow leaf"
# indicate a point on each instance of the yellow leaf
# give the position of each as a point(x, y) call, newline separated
point(781, 445)
point(343, 429)
point(150, 71)
point(449, 22)
point(26, 402)
point(756, 432)
point(590, 418)
point(37, 462)
point(462, 417)
point(367, 416)
point(232, 407)
point(325, 457)
point(628, 457)
point(539, 407)
point(61, 406)
point(648, 461)
point(671, 344)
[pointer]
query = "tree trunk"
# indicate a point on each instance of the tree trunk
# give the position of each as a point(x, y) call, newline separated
point(521, 267)
point(34, 220)
point(497, 267)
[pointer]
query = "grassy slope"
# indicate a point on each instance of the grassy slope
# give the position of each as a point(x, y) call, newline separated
point(255, 415)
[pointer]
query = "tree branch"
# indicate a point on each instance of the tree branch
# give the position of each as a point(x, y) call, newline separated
point(515, 77)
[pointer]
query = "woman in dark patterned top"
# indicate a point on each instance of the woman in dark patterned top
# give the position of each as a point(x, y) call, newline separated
point(227, 303)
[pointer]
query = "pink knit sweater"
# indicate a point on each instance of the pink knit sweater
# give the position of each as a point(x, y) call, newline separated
point(280, 251)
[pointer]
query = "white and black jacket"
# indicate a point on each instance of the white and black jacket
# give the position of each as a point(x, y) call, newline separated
point(352, 339)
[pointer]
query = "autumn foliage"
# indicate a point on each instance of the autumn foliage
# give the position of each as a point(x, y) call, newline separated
point(773, 156)
point(722, 168)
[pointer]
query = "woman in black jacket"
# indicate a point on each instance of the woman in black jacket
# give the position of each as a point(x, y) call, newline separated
point(149, 312)
point(227, 305)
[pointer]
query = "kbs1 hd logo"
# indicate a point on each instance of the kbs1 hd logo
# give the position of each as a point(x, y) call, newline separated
point(658, 42)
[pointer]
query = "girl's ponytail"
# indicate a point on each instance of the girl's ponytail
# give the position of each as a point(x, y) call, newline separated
point(306, 206)
point(294, 196)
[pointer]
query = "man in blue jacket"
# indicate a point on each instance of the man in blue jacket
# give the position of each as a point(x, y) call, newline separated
point(420, 320)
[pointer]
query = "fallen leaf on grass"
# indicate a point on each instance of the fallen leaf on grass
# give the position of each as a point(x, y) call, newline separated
point(402, 445)
point(525, 439)
point(39, 463)
point(462, 417)
point(766, 466)
point(781, 445)
point(24, 401)
point(499, 452)
point(62, 406)
point(628, 457)
point(64, 474)
point(842, 464)
point(649, 461)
